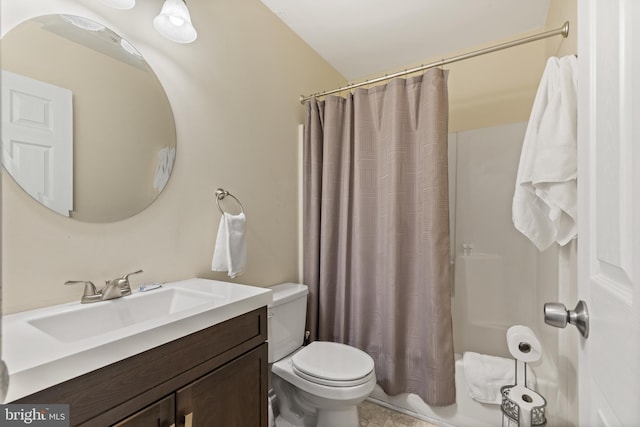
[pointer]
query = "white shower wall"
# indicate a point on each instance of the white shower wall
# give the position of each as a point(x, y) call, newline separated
point(500, 279)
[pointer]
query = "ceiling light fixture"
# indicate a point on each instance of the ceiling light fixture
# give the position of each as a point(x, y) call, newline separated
point(120, 4)
point(174, 22)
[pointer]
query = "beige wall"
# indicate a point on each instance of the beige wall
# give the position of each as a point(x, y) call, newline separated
point(561, 11)
point(234, 94)
point(500, 87)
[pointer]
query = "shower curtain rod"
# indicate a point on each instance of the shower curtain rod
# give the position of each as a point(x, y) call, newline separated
point(564, 31)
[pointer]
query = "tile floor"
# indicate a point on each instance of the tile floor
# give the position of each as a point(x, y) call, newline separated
point(372, 415)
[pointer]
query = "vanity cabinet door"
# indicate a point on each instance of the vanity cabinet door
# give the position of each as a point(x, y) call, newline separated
point(159, 414)
point(235, 395)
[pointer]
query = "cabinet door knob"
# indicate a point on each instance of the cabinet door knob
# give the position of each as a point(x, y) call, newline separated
point(188, 420)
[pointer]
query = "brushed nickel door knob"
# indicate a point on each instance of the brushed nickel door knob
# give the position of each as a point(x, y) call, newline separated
point(557, 315)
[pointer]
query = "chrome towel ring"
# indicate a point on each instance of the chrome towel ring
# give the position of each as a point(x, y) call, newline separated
point(221, 194)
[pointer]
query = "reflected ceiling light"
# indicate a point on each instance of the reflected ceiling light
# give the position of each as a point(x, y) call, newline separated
point(120, 4)
point(129, 48)
point(84, 23)
point(174, 22)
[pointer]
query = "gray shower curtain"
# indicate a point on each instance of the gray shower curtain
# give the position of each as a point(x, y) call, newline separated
point(376, 240)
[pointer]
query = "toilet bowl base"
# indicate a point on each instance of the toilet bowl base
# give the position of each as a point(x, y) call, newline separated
point(345, 417)
point(301, 409)
point(339, 418)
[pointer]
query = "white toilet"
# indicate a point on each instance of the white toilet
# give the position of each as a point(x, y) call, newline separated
point(317, 385)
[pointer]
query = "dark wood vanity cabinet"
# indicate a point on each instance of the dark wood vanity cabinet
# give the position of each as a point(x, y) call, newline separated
point(214, 377)
point(159, 414)
point(226, 397)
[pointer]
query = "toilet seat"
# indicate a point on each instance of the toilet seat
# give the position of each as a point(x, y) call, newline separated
point(333, 364)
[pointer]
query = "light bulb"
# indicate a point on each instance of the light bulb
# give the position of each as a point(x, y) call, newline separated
point(176, 21)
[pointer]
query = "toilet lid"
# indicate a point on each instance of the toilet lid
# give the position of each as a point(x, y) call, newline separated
point(333, 364)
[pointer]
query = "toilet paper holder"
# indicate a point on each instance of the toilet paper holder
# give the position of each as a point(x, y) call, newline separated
point(522, 406)
point(514, 413)
point(557, 315)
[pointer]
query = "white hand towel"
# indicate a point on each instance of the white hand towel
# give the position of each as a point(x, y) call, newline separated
point(545, 197)
point(485, 374)
point(230, 253)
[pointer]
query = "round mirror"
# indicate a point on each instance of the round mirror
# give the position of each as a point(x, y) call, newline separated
point(87, 129)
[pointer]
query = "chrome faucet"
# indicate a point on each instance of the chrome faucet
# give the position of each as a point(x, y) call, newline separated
point(115, 288)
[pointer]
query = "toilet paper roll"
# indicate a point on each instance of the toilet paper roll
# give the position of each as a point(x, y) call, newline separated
point(523, 344)
point(527, 400)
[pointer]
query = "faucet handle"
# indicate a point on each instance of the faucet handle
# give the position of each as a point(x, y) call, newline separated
point(125, 286)
point(114, 288)
point(126, 276)
point(90, 293)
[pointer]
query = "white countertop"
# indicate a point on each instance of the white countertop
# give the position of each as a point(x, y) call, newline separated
point(37, 359)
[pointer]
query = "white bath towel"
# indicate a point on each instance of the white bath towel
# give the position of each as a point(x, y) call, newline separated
point(230, 252)
point(485, 374)
point(545, 199)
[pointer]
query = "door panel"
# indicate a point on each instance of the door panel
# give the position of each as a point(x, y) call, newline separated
point(609, 211)
point(37, 139)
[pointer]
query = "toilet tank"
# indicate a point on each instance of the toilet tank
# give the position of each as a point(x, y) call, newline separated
point(286, 318)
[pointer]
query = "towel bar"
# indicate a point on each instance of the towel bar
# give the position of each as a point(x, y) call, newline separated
point(221, 194)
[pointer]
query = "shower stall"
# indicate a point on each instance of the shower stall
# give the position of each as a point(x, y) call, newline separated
point(499, 278)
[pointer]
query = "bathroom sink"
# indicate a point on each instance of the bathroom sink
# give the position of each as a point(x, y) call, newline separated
point(50, 345)
point(90, 320)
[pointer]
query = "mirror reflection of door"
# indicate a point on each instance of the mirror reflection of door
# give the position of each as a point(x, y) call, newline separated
point(37, 139)
point(124, 136)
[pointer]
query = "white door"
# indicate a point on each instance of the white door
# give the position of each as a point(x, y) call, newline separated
point(609, 211)
point(37, 139)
